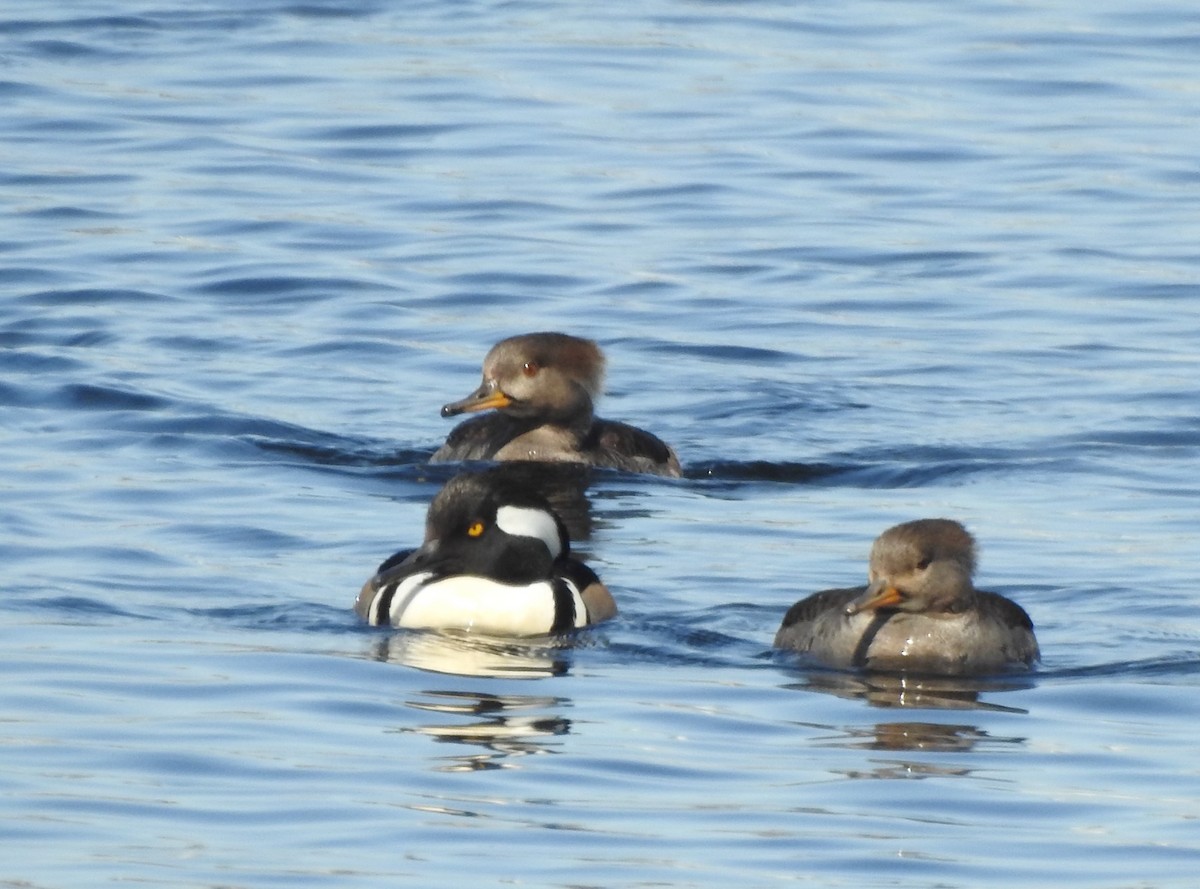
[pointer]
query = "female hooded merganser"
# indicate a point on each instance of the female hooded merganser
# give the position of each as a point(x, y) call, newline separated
point(919, 612)
point(495, 560)
point(543, 387)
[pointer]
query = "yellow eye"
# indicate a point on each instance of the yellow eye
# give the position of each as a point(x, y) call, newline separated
point(475, 529)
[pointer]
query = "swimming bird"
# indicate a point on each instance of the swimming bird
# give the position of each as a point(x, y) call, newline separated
point(543, 387)
point(495, 560)
point(919, 612)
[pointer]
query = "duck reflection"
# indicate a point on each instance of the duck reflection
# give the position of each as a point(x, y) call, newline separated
point(461, 654)
point(910, 770)
point(905, 690)
point(931, 736)
point(505, 725)
point(914, 737)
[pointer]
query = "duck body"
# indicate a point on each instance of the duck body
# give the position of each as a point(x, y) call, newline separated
point(919, 612)
point(542, 388)
point(604, 443)
point(495, 560)
point(993, 636)
point(430, 600)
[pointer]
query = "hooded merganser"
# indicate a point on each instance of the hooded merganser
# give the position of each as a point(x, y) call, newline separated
point(496, 559)
point(919, 612)
point(544, 387)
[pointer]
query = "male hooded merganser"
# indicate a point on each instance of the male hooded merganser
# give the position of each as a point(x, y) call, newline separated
point(543, 387)
point(919, 612)
point(496, 560)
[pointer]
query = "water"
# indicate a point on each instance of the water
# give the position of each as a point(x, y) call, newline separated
point(858, 263)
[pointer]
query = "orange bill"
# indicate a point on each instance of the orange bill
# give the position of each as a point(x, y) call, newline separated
point(886, 596)
point(486, 397)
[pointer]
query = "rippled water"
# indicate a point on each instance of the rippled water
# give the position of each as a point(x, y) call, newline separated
point(859, 263)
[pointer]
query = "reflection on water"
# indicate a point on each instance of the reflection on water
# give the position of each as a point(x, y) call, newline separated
point(502, 724)
point(927, 737)
point(910, 737)
point(846, 293)
point(933, 736)
point(462, 654)
point(899, 690)
point(898, 769)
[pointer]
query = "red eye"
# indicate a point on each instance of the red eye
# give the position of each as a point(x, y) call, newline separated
point(531, 368)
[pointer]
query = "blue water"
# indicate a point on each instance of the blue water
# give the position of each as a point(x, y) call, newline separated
point(859, 263)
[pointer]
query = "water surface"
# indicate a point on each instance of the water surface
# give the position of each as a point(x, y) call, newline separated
point(858, 264)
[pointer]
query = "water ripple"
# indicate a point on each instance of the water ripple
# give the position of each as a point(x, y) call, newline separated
point(857, 268)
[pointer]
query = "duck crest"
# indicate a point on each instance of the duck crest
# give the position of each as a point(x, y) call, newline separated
point(530, 353)
point(537, 523)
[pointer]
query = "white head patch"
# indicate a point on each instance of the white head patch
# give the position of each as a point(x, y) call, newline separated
point(524, 521)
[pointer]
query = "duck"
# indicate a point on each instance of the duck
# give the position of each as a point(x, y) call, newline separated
point(543, 388)
point(919, 612)
point(495, 560)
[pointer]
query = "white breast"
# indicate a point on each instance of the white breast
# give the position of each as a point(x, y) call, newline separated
point(480, 605)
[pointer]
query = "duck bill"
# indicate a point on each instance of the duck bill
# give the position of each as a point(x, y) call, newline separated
point(876, 597)
point(405, 562)
point(486, 397)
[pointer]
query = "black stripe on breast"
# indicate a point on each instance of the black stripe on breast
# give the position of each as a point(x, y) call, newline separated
point(878, 619)
point(564, 606)
point(382, 606)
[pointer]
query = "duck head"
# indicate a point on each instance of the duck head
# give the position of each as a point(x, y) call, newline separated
point(924, 566)
point(548, 375)
point(477, 525)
